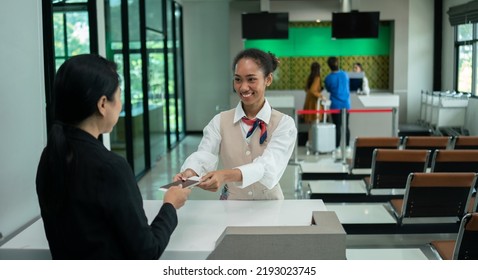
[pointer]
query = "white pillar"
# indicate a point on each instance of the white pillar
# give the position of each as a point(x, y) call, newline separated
point(265, 5)
point(345, 6)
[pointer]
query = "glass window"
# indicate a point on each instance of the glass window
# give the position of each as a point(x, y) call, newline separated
point(465, 32)
point(171, 87)
point(78, 33)
point(58, 33)
point(71, 34)
point(465, 68)
point(466, 64)
point(179, 69)
point(156, 79)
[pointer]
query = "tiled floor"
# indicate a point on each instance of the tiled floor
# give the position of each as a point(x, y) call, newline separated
point(169, 165)
point(359, 247)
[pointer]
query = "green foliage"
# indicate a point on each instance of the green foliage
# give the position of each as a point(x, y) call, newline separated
point(75, 26)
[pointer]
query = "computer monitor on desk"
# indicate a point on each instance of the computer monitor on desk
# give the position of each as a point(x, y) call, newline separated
point(356, 81)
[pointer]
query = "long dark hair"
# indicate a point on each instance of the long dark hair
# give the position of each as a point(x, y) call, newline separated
point(314, 72)
point(79, 83)
point(268, 62)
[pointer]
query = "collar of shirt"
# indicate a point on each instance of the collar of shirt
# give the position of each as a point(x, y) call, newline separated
point(264, 114)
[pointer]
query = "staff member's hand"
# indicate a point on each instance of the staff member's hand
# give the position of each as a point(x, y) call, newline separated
point(177, 196)
point(212, 181)
point(184, 175)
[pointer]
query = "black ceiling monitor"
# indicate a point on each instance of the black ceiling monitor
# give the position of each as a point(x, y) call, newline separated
point(265, 25)
point(355, 25)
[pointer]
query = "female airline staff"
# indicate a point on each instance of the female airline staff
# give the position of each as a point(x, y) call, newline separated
point(253, 141)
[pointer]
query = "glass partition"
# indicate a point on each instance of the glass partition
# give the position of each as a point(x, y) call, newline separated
point(178, 42)
point(156, 80)
point(142, 37)
point(171, 94)
point(147, 61)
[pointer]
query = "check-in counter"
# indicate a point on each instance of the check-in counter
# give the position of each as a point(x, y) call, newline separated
point(369, 124)
point(325, 239)
point(206, 227)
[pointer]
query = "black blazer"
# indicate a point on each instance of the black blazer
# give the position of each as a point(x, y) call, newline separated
point(100, 215)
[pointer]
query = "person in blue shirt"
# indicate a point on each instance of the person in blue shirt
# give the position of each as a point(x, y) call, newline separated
point(337, 84)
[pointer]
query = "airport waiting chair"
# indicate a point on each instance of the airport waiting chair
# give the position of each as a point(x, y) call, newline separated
point(431, 143)
point(473, 204)
point(387, 178)
point(462, 142)
point(434, 198)
point(361, 162)
point(455, 161)
point(390, 170)
point(465, 247)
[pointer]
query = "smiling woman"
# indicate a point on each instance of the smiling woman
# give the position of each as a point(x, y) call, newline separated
point(253, 159)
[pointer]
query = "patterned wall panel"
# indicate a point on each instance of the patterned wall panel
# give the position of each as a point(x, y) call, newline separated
point(293, 71)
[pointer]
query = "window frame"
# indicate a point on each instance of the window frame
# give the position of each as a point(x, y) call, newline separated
point(473, 42)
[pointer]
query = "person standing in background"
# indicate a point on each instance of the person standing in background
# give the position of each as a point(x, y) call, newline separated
point(359, 69)
point(337, 84)
point(313, 89)
point(253, 141)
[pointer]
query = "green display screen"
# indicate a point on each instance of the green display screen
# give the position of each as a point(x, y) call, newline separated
point(317, 41)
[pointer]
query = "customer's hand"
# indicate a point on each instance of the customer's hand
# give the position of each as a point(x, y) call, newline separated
point(177, 196)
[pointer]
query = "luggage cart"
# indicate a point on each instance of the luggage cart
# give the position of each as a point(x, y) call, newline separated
point(451, 111)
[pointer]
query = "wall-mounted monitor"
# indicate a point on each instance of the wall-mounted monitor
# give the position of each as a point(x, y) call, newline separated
point(265, 25)
point(355, 25)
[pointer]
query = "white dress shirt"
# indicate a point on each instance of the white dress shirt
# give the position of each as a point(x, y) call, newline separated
point(365, 87)
point(266, 169)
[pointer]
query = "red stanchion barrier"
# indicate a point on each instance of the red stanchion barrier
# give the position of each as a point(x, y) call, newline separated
point(337, 111)
point(313, 112)
point(370, 110)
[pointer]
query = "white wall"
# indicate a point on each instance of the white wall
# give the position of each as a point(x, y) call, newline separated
point(206, 53)
point(22, 111)
point(420, 55)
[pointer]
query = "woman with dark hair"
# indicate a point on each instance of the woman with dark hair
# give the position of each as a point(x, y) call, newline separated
point(313, 89)
point(357, 67)
point(253, 160)
point(89, 200)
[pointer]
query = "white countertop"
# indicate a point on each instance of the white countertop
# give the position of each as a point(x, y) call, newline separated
point(338, 187)
point(379, 100)
point(201, 222)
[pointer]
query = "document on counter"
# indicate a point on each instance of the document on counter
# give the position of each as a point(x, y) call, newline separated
point(188, 183)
